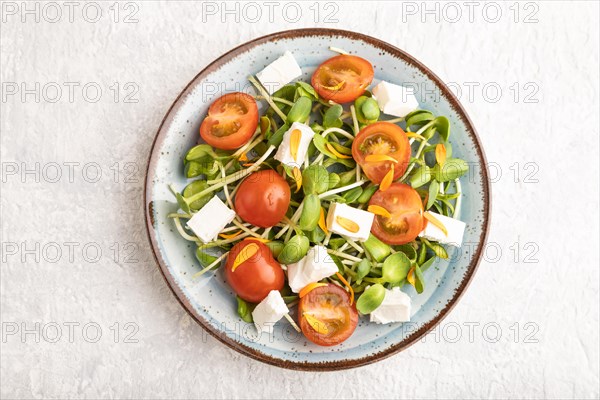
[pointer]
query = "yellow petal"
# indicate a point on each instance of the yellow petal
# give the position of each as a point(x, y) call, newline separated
point(298, 178)
point(322, 223)
point(411, 276)
point(429, 216)
point(316, 324)
point(345, 282)
point(336, 87)
point(295, 138)
point(378, 210)
point(335, 152)
point(414, 135)
point(347, 224)
point(262, 240)
point(380, 158)
point(243, 157)
point(387, 180)
point(244, 255)
point(230, 235)
point(308, 288)
point(440, 154)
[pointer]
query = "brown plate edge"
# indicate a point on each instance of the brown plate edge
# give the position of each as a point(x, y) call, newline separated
point(415, 336)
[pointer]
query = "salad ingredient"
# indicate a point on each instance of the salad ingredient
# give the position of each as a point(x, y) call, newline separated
point(371, 298)
point(326, 315)
point(395, 100)
point(396, 307)
point(454, 227)
point(279, 73)
point(315, 179)
point(378, 147)
point(244, 310)
point(406, 209)
point(211, 219)
point(311, 211)
point(342, 78)
point(294, 156)
point(316, 265)
point(262, 199)
point(349, 221)
point(300, 111)
point(376, 248)
point(231, 121)
point(294, 250)
point(270, 310)
point(257, 274)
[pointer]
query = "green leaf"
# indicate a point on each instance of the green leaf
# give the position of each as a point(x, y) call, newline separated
point(311, 210)
point(300, 111)
point(199, 151)
point(294, 250)
point(420, 177)
point(395, 267)
point(277, 137)
point(422, 254)
point(362, 269)
point(370, 109)
point(425, 265)
point(434, 189)
point(336, 243)
point(331, 118)
point(307, 90)
point(409, 250)
point(196, 187)
point(452, 169)
point(419, 280)
point(371, 299)
point(376, 248)
point(352, 195)
point(367, 193)
point(275, 247)
point(243, 310)
point(337, 262)
point(316, 235)
point(185, 207)
point(320, 142)
point(206, 259)
point(334, 179)
point(442, 125)
point(265, 127)
point(437, 248)
point(315, 179)
point(287, 92)
point(418, 117)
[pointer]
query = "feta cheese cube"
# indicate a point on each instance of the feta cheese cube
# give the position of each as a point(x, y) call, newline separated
point(363, 219)
point(279, 73)
point(269, 311)
point(316, 265)
point(211, 219)
point(455, 228)
point(284, 154)
point(394, 308)
point(395, 100)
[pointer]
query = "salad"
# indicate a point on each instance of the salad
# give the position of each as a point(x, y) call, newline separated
point(333, 201)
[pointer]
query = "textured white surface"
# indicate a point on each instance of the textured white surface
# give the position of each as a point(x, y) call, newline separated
point(552, 304)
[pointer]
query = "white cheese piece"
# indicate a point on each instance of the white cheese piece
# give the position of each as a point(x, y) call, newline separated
point(211, 219)
point(395, 100)
point(269, 311)
point(394, 308)
point(316, 265)
point(284, 154)
point(279, 73)
point(455, 228)
point(364, 219)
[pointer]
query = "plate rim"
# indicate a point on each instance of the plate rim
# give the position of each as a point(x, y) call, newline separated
point(324, 365)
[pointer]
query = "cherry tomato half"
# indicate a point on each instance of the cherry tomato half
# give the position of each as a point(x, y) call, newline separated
point(406, 207)
point(263, 198)
point(254, 278)
point(342, 78)
point(386, 139)
point(231, 121)
point(328, 309)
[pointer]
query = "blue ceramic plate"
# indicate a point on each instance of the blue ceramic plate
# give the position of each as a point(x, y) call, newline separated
point(211, 301)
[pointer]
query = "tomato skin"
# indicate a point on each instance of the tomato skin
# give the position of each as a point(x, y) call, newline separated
point(355, 72)
point(382, 138)
point(231, 121)
point(335, 301)
point(406, 207)
point(253, 279)
point(263, 198)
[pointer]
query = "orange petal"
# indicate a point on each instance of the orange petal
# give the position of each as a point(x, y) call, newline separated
point(322, 223)
point(244, 255)
point(295, 138)
point(230, 235)
point(380, 158)
point(411, 276)
point(336, 87)
point(243, 157)
point(345, 282)
point(429, 217)
point(440, 154)
point(298, 178)
point(335, 152)
point(378, 210)
point(262, 240)
point(247, 164)
point(308, 288)
point(387, 180)
point(316, 324)
point(347, 224)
